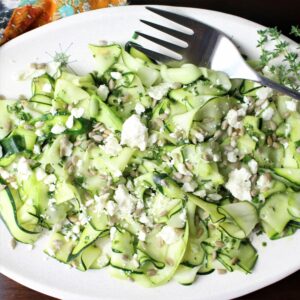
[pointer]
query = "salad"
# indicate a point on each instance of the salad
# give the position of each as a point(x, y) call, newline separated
point(153, 172)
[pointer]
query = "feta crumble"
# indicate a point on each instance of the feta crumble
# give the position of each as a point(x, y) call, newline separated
point(169, 235)
point(77, 112)
point(111, 146)
point(232, 156)
point(264, 93)
point(239, 184)
point(103, 91)
point(57, 129)
point(232, 119)
point(253, 166)
point(40, 174)
point(189, 186)
point(111, 208)
point(116, 75)
point(291, 105)
point(263, 182)
point(134, 133)
point(112, 232)
point(200, 193)
point(70, 122)
point(142, 235)
point(267, 114)
point(24, 170)
point(139, 108)
point(124, 200)
point(36, 149)
point(159, 91)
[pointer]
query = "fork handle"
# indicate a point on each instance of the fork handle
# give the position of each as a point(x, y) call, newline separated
point(279, 87)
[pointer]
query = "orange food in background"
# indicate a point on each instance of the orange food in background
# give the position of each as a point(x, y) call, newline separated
point(49, 9)
point(21, 21)
point(29, 17)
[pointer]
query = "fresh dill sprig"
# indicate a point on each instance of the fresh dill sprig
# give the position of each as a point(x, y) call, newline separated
point(274, 48)
point(295, 31)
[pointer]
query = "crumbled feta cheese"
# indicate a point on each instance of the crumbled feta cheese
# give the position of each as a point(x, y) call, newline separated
point(169, 235)
point(51, 187)
point(263, 182)
point(112, 232)
point(50, 179)
point(139, 108)
point(70, 122)
point(14, 185)
point(89, 202)
point(39, 132)
point(134, 133)
point(142, 235)
point(134, 261)
point(183, 216)
point(200, 193)
point(189, 186)
point(152, 139)
point(144, 219)
point(267, 114)
point(4, 174)
point(291, 105)
point(53, 111)
point(57, 129)
point(216, 157)
point(36, 149)
point(77, 112)
point(264, 93)
point(159, 91)
point(232, 119)
point(103, 91)
point(111, 208)
point(183, 170)
point(239, 184)
point(40, 174)
point(111, 146)
point(253, 166)
point(199, 136)
point(116, 75)
point(232, 156)
point(214, 197)
point(117, 173)
point(100, 203)
point(1, 152)
point(76, 229)
point(51, 201)
point(242, 111)
point(24, 170)
point(125, 201)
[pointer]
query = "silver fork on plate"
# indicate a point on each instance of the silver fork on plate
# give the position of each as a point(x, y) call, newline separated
point(207, 47)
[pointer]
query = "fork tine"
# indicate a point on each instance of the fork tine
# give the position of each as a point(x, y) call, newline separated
point(160, 42)
point(154, 55)
point(178, 34)
point(182, 20)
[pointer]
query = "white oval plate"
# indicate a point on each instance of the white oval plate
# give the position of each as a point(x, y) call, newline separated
point(31, 268)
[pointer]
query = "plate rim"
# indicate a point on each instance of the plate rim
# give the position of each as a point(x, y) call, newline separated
point(57, 292)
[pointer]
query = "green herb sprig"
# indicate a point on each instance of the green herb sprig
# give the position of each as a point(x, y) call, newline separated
point(287, 71)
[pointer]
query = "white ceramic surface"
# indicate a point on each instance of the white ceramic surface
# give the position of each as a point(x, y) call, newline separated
point(30, 267)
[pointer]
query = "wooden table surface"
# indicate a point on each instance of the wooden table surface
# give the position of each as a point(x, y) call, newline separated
point(267, 12)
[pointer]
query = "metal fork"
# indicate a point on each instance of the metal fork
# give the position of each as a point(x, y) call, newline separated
point(207, 47)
